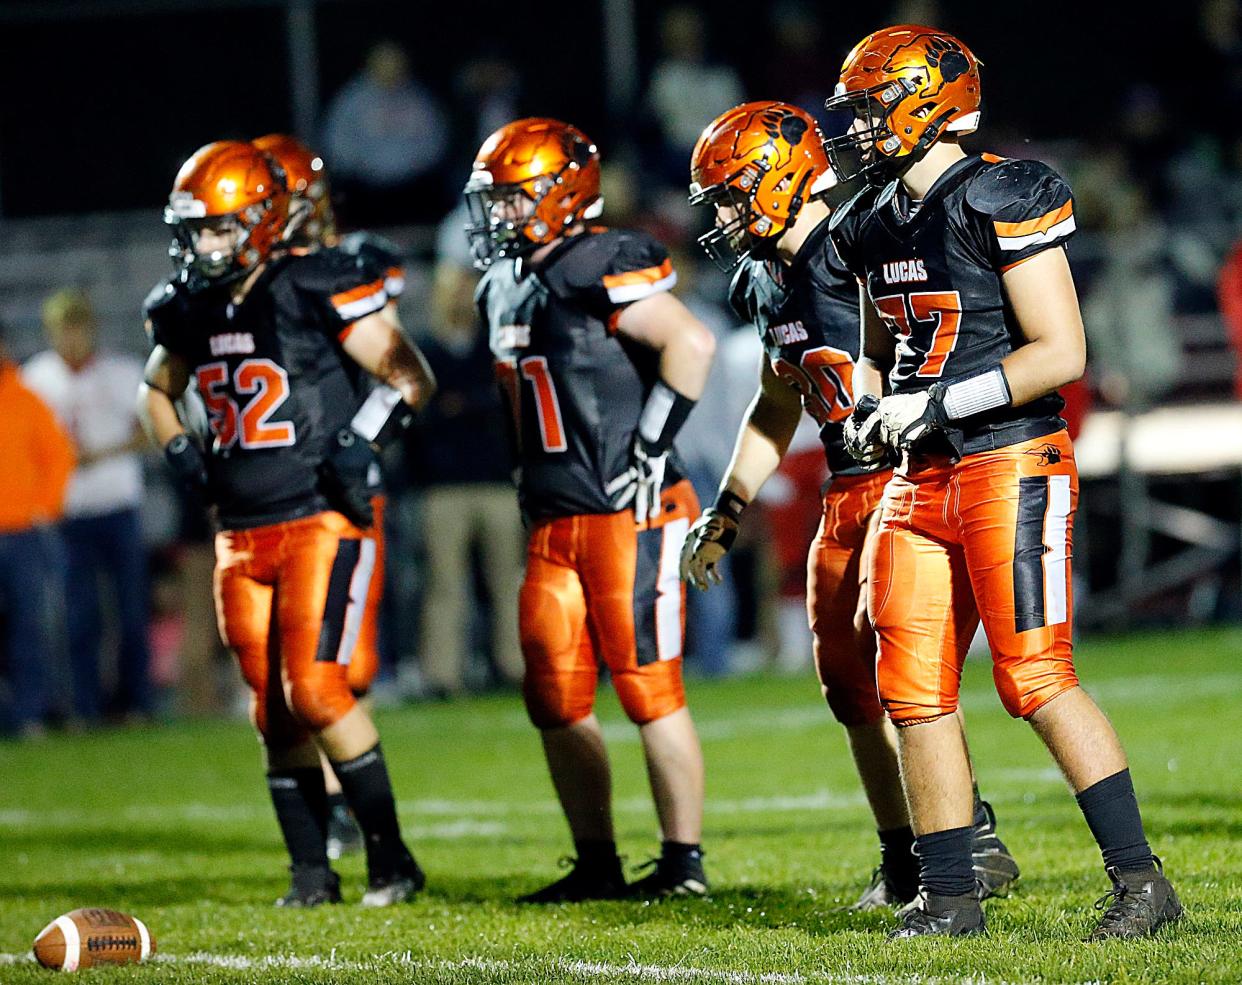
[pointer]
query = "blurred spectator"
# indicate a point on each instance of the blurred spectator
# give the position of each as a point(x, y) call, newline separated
point(37, 458)
point(463, 456)
point(685, 92)
point(488, 90)
point(384, 137)
point(796, 74)
point(1133, 346)
point(92, 393)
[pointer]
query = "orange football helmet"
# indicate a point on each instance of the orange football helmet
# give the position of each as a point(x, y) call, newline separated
point(759, 159)
point(531, 181)
point(229, 186)
point(907, 86)
point(311, 217)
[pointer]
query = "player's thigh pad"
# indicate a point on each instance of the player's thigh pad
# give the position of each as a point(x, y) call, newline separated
point(560, 669)
point(1017, 513)
point(244, 596)
point(320, 597)
point(636, 602)
point(844, 656)
point(922, 607)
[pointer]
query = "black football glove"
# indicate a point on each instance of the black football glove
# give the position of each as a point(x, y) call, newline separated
point(343, 477)
point(863, 438)
point(187, 463)
point(641, 483)
point(707, 542)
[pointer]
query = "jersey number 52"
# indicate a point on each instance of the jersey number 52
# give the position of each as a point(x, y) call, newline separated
point(267, 386)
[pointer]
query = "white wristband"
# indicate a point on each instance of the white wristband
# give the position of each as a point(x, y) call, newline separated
point(375, 411)
point(978, 394)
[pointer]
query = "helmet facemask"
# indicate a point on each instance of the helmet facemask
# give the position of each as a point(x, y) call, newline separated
point(198, 269)
point(750, 232)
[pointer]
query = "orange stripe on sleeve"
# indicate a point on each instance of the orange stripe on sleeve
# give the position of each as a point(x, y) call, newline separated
point(1028, 226)
point(357, 293)
point(648, 275)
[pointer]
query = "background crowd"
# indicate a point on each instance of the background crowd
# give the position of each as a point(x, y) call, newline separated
point(105, 568)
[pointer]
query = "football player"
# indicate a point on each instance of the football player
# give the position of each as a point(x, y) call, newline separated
point(274, 342)
point(312, 224)
point(758, 166)
point(601, 365)
point(970, 309)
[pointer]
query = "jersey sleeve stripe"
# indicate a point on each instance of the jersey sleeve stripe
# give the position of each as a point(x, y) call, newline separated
point(1028, 226)
point(1050, 235)
point(359, 307)
point(357, 293)
point(644, 276)
point(625, 293)
point(394, 281)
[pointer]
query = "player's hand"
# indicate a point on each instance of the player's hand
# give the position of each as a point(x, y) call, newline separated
point(906, 419)
point(862, 432)
point(641, 483)
point(343, 477)
point(187, 463)
point(707, 541)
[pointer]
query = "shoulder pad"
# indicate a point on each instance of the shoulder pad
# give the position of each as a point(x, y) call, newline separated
point(319, 269)
point(596, 255)
point(364, 243)
point(161, 295)
point(856, 206)
point(739, 288)
point(1004, 182)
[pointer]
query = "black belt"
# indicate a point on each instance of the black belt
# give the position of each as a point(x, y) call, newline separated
point(1012, 434)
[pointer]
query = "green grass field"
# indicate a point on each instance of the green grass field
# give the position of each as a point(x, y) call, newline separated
point(174, 826)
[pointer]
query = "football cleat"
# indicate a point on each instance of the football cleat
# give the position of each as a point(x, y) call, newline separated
point(344, 836)
point(399, 887)
point(1138, 905)
point(995, 868)
point(884, 891)
point(597, 881)
point(941, 916)
point(312, 885)
point(672, 875)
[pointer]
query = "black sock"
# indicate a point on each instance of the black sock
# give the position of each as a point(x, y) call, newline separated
point(337, 803)
point(898, 860)
point(302, 811)
point(595, 853)
point(1112, 814)
point(367, 790)
point(945, 865)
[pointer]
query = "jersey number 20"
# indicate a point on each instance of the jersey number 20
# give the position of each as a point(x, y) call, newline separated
point(266, 384)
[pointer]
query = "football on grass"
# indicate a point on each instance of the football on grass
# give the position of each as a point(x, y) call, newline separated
point(89, 937)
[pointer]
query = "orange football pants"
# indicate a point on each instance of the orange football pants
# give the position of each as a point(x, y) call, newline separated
point(599, 588)
point(289, 598)
point(990, 537)
point(844, 656)
point(365, 660)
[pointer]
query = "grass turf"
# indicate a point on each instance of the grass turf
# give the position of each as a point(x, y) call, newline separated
point(173, 825)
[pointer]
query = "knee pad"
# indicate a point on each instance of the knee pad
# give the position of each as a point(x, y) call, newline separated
point(557, 700)
point(650, 691)
point(321, 697)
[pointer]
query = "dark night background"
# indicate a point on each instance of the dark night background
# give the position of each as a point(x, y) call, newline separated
point(102, 101)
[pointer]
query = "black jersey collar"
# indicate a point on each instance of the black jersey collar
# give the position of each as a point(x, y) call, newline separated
point(810, 246)
point(896, 200)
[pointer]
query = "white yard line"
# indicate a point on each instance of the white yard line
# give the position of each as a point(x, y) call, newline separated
point(604, 971)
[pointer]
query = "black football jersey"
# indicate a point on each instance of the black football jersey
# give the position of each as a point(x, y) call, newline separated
point(807, 316)
point(934, 271)
point(270, 370)
point(576, 387)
